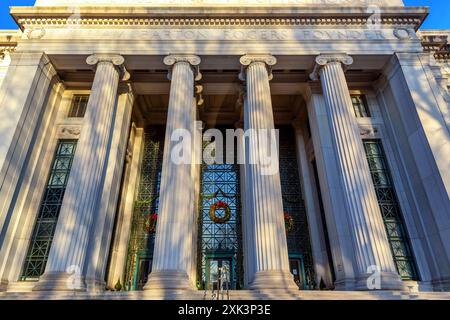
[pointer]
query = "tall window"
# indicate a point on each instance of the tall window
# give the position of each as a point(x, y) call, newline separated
point(142, 239)
point(220, 254)
point(47, 218)
point(360, 106)
point(298, 238)
point(78, 106)
point(390, 210)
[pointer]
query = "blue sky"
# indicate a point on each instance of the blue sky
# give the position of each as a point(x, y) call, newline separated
point(439, 17)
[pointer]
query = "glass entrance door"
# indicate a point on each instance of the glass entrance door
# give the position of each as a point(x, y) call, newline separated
point(219, 271)
point(143, 270)
point(297, 271)
point(219, 230)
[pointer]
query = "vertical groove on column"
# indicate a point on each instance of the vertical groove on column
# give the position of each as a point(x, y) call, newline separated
point(268, 240)
point(171, 253)
point(77, 212)
point(370, 241)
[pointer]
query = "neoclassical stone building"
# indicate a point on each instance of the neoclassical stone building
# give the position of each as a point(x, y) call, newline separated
point(91, 204)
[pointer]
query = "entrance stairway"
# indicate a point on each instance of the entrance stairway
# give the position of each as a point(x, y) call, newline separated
point(233, 295)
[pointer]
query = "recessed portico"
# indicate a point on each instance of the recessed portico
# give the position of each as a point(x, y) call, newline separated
point(340, 213)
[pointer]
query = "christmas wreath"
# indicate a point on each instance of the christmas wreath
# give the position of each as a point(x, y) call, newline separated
point(220, 205)
point(150, 222)
point(288, 222)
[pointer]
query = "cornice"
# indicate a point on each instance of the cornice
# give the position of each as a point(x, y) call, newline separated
point(27, 17)
point(8, 42)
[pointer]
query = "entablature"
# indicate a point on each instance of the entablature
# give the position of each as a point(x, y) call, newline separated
point(28, 17)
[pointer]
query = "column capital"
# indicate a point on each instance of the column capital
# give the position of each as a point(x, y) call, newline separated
point(297, 125)
point(95, 58)
point(266, 58)
point(323, 59)
point(116, 59)
point(192, 59)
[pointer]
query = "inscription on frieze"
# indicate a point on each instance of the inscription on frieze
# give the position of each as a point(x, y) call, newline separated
point(223, 34)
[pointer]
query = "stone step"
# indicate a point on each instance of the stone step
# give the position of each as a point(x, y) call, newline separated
point(233, 295)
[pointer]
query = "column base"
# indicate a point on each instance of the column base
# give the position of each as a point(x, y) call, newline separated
point(95, 285)
point(387, 281)
point(348, 284)
point(273, 280)
point(60, 281)
point(168, 279)
point(3, 285)
point(442, 284)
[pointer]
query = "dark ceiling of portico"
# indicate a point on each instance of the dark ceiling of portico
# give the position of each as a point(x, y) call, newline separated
point(220, 93)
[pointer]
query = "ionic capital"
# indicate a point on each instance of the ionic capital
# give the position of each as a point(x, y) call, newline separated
point(268, 59)
point(326, 58)
point(193, 60)
point(115, 59)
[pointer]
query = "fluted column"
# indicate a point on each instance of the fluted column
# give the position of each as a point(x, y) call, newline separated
point(268, 243)
point(172, 255)
point(65, 268)
point(370, 243)
point(100, 239)
point(317, 232)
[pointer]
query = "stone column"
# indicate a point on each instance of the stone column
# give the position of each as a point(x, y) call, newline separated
point(172, 255)
point(417, 120)
point(265, 205)
point(99, 243)
point(65, 268)
point(316, 230)
point(328, 174)
point(369, 239)
point(24, 97)
point(119, 251)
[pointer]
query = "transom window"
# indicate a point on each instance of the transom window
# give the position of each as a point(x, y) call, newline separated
point(360, 106)
point(78, 106)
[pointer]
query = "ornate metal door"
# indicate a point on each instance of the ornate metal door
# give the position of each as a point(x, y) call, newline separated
point(296, 220)
point(220, 222)
point(141, 244)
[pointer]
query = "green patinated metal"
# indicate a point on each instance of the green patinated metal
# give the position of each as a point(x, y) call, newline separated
point(141, 244)
point(390, 210)
point(220, 242)
point(298, 240)
point(44, 228)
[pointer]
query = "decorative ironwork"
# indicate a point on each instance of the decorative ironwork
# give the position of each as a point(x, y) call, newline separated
point(141, 245)
point(360, 106)
point(220, 243)
point(78, 106)
point(298, 239)
point(390, 210)
point(47, 218)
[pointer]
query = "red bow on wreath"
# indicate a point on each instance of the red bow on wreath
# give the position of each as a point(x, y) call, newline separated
point(222, 205)
point(150, 222)
point(288, 222)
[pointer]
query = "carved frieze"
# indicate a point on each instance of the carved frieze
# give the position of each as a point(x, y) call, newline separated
point(69, 131)
point(222, 34)
point(368, 132)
